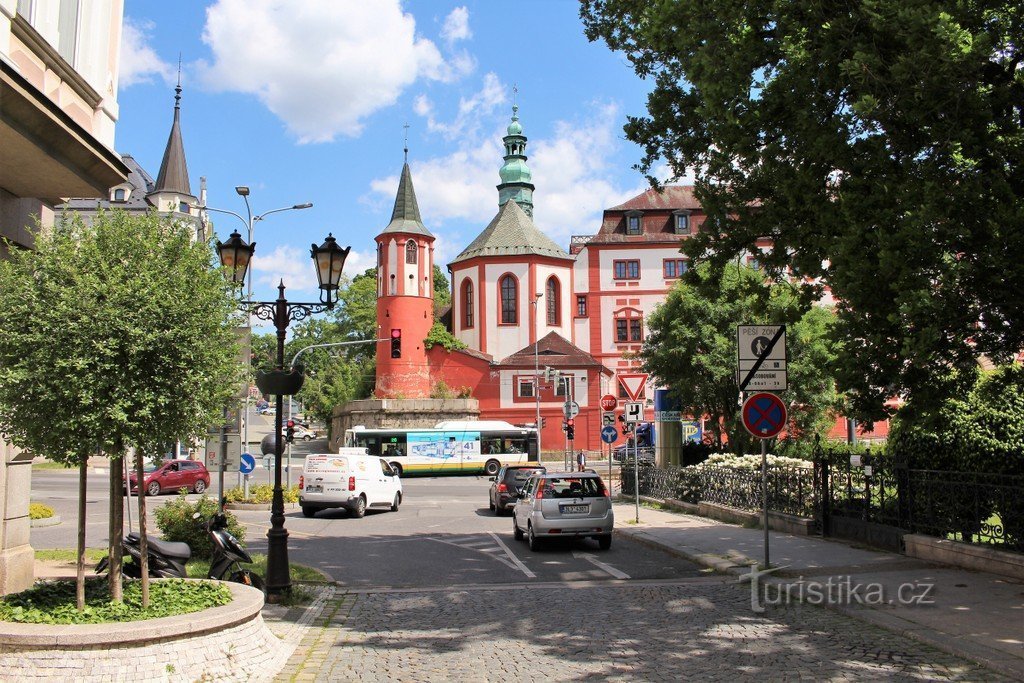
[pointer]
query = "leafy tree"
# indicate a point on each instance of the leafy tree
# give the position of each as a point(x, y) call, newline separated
point(442, 291)
point(879, 145)
point(691, 347)
point(113, 336)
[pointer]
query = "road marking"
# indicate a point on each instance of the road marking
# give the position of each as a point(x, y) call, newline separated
point(522, 567)
point(600, 565)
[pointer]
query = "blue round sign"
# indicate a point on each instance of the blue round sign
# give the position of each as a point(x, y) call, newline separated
point(609, 434)
point(246, 464)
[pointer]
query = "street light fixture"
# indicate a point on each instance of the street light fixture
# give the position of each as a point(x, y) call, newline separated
point(235, 255)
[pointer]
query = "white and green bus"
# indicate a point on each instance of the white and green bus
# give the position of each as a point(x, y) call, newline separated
point(450, 447)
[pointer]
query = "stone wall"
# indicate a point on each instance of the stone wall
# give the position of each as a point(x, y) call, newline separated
point(382, 413)
point(17, 558)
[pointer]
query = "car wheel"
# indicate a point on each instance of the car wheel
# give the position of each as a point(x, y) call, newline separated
point(308, 511)
point(492, 467)
point(532, 539)
point(360, 509)
point(396, 502)
point(153, 489)
point(490, 504)
point(200, 486)
point(516, 531)
point(307, 437)
point(604, 542)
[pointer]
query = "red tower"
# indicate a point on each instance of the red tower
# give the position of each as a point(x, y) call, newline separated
point(405, 297)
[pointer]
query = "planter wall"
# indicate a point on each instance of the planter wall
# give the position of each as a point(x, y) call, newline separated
point(226, 643)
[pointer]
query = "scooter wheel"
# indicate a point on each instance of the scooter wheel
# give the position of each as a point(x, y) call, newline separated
point(244, 576)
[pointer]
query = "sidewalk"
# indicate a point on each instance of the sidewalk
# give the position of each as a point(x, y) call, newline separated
point(974, 615)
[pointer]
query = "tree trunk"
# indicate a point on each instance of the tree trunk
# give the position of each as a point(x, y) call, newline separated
point(83, 469)
point(143, 550)
point(115, 528)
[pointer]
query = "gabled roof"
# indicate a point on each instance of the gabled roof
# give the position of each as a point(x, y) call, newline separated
point(669, 197)
point(555, 351)
point(173, 176)
point(405, 217)
point(511, 233)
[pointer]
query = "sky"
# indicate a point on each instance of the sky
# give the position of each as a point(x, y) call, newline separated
point(308, 101)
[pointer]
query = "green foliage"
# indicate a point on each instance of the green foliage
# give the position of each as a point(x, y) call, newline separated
point(39, 511)
point(53, 602)
point(120, 328)
point(691, 347)
point(878, 145)
point(174, 519)
point(261, 493)
point(442, 291)
point(439, 334)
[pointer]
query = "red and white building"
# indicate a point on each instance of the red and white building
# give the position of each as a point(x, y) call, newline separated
point(521, 303)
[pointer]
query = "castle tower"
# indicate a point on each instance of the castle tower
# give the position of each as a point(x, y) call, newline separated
point(515, 174)
point(405, 296)
point(172, 192)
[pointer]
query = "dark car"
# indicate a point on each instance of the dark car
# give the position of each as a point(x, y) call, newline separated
point(507, 483)
point(172, 475)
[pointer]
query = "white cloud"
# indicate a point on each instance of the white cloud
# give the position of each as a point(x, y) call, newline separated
point(293, 266)
point(321, 66)
point(471, 113)
point(456, 26)
point(140, 62)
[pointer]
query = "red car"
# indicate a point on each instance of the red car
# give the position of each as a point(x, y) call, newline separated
point(172, 475)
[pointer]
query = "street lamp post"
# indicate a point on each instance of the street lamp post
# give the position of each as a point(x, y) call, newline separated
point(536, 367)
point(329, 259)
point(250, 223)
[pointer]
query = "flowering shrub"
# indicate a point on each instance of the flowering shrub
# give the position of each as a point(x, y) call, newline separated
point(735, 480)
point(752, 462)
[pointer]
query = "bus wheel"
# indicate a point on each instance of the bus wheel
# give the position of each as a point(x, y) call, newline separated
point(492, 467)
point(396, 467)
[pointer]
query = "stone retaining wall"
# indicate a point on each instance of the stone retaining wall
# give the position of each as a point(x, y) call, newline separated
point(965, 555)
point(227, 643)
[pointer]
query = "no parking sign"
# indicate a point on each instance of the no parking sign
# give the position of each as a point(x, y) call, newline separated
point(764, 415)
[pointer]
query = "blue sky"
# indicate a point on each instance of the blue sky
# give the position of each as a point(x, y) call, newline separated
point(306, 101)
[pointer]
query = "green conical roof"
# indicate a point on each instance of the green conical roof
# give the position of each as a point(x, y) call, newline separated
point(406, 215)
point(511, 233)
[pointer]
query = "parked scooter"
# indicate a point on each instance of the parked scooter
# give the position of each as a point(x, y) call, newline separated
point(168, 559)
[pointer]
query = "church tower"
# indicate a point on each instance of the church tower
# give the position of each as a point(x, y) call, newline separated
point(515, 174)
point(405, 297)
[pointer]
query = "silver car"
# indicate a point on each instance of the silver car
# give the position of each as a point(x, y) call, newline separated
point(564, 505)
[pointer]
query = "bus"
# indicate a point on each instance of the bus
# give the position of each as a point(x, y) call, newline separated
point(450, 447)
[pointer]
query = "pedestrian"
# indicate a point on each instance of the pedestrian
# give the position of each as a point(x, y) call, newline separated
point(581, 460)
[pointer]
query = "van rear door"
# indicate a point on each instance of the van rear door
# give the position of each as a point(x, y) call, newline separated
point(325, 474)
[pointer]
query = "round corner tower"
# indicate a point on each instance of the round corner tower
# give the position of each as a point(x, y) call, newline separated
point(405, 297)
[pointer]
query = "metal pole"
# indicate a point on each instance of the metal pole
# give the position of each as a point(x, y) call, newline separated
point(288, 467)
point(764, 496)
point(536, 369)
point(223, 460)
point(128, 491)
point(278, 571)
point(248, 323)
point(636, 471)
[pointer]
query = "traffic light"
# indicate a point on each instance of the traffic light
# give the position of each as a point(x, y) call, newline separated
point(543, 422)
point(396, 343)
point(289, 434)
point(570, 429)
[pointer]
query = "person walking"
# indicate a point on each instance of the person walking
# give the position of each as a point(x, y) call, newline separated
point(581, 460)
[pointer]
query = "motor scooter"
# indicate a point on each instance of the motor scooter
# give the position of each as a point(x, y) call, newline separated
point(168, 559)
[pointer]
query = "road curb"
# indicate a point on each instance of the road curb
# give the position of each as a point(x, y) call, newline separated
point(53, 520)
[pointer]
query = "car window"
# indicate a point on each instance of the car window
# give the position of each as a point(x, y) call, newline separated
point(521, 474)
point(190, 466)
point(574, 487)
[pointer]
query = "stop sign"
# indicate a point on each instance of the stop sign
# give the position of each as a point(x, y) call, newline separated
point(608, 402)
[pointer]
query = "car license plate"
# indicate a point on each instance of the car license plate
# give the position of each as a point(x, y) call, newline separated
point(574, 509)
point(314, 488)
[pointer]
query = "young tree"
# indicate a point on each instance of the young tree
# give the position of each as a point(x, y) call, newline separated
point(879, 145)
point(113, 335)
point(691, 347)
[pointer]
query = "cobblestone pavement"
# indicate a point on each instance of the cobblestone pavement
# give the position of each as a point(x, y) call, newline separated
point(699, 629)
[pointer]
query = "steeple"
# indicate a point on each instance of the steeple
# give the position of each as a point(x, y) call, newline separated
point(515, 174)
point(406, 215)
point(173, 176)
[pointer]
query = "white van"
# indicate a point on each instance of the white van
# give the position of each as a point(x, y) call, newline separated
point(348, 479)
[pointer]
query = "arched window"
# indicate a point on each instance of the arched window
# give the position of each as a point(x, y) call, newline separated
point(467, 303)
point(393, 289)
point(119, 194)
point(509, 299)
point(552, 294)
point(629, 326)
point(410, 252)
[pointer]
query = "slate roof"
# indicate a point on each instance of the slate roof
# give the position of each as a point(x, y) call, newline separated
point(405, 217)
point(553, 350)
point(173, 176)
point(670, 197)
point(511, 233)
point(140, 181)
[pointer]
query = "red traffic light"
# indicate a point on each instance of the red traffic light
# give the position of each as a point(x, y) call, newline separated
point(569, 422)
point(396, 342)
point(291, 424)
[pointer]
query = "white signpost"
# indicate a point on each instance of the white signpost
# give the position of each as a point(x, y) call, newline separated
point(633, 412)
point(607, 419)
point(571, 409)
point(761, 351)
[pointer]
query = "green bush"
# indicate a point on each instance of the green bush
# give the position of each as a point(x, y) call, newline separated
point(261, 493)
point(39, 511)
point(176, 523)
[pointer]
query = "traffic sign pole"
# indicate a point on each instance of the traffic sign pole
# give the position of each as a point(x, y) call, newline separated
point(764, 497)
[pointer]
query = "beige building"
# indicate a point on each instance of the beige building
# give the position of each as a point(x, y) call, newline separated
point(58, 107)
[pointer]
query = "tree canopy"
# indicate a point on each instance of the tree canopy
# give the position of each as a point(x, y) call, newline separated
point(691, 347)
point(113, 334)
point(878, 145)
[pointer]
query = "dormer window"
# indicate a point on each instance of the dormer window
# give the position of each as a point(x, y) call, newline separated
point(681, 222)
point(120, 194)
point(633, 225)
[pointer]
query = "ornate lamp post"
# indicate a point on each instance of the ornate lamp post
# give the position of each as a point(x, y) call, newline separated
point(329, 259)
